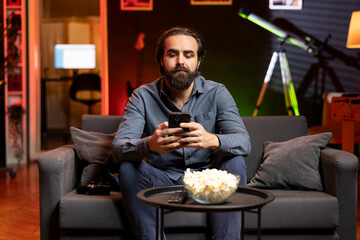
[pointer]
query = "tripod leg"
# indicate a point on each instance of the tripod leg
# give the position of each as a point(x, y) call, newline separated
point(289, 90)
point(310, 75)
point(267, 78)
point(258, 103)
point(294, 99)
point(334, 79)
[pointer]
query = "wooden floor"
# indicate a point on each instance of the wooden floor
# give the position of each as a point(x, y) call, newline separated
point(19, 205)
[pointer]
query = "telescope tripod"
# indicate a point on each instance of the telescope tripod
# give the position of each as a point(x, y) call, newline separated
point(321, 68)
point(289, 91)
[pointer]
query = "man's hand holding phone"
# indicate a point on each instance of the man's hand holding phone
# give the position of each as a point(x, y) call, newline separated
point(167, 134)
point(164, 139)
point(197, 137)
point(194, 134)
point(179, 132)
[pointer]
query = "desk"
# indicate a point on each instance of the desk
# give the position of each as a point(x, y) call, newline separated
point(245, 199)
point(347, 108)
point(65, 95)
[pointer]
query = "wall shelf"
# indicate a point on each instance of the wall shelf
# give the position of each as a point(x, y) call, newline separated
point(15, 92)
point(10, 7)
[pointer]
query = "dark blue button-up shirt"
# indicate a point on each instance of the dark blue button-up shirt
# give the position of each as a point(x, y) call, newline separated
point(210, 104)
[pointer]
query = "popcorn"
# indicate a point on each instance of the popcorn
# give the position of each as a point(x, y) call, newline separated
point(210, 185)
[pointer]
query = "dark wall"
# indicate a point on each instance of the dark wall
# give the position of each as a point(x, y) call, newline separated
point(238, 51)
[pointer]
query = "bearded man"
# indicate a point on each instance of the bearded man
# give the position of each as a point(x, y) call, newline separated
point(151, 154)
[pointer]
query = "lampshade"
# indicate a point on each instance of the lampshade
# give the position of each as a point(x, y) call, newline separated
point(353, 40)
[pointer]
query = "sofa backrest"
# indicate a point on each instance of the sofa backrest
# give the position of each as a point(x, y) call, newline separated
point(100, 123)
point(270, 128)
point(261, 129)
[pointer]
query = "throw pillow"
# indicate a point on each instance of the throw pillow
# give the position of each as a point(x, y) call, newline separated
point(293, 164)
point(92, 146)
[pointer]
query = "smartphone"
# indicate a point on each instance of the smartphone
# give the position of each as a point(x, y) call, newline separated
point(175, 118)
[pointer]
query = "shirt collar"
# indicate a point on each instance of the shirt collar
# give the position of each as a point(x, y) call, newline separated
point(199, 85)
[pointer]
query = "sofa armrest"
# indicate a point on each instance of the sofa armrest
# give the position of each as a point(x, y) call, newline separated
point(339, 170)
point(56, 178)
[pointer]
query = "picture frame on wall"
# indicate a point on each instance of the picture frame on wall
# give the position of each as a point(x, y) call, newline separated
point(286, 4)
point(211, 2)
point(136, 5)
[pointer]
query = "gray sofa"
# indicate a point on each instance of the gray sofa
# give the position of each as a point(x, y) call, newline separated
point(294, 214)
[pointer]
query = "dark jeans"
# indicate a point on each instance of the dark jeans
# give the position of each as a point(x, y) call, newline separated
point(135, 177)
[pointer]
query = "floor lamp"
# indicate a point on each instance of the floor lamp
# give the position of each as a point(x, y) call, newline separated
point(353, 40)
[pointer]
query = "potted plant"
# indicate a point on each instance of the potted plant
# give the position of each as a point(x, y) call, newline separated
point(16, 113)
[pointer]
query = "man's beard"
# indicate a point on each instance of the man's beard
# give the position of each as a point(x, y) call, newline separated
point(180, 78)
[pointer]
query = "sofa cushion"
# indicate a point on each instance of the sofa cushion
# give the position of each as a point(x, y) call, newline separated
point(293, 209)
point(293, 164)
point(77, 211)
point(107, 212)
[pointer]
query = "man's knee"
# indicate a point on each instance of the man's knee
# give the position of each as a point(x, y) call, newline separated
point(231, 164)
point(136, 174)
point(131, 168)
point(125, 166)
point(235, 165)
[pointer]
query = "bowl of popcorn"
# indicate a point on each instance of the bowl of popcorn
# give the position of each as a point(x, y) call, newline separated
point(210, 186)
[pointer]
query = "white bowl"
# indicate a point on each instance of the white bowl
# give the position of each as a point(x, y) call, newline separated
point(210, 186)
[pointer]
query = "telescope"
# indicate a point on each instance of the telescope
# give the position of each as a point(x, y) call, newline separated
point(289, 90)
point(284, 35)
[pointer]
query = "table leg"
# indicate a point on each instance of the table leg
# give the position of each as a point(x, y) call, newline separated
point(259, 224)
point(157, 223)
point(242, 224)
point(162, 224)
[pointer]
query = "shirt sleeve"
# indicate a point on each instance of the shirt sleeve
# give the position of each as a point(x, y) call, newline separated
point(233, 136)
point(128, 144)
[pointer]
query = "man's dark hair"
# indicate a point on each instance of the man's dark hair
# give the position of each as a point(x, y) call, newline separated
point(160, 48)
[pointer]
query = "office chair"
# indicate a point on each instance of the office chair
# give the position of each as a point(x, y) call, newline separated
point(86, 88)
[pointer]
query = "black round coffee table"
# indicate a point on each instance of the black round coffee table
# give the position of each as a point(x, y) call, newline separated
point(245, 199)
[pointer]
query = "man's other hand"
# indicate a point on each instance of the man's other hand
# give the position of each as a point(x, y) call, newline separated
point(197, 137)
point(164, 139)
